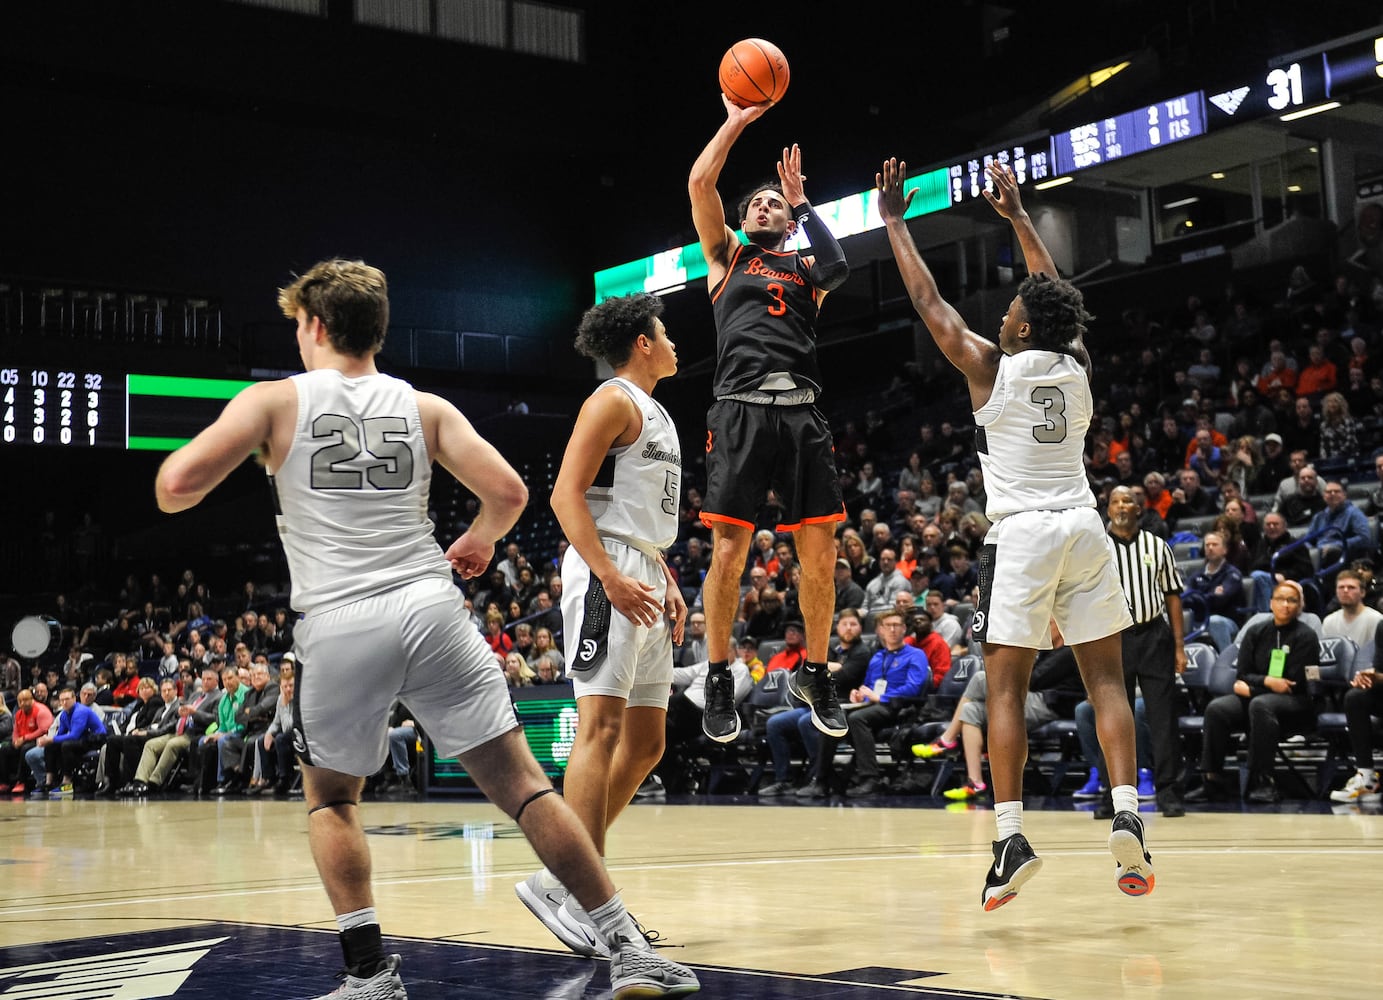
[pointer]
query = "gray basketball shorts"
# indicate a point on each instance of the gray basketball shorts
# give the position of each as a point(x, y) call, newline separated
point(416, 644)
point(1037, 565)
point(608, 654)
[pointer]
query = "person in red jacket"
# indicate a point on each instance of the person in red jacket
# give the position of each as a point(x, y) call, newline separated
point(938, 653)
point(32, 719)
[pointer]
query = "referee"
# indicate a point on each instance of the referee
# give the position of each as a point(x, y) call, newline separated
point(1153, 650)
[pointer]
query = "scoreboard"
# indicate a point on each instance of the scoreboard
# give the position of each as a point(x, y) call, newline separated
point(68, 408)
point(76, 408)
point(1149, 127)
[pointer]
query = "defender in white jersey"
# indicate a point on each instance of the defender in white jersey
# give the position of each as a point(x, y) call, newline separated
point(349, 452)
point(616, 498)
point(1046, 556)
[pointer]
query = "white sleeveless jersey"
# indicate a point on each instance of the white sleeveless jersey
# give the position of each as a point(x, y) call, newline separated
point(635, 495)
point(1030, 435)
point(351, 494)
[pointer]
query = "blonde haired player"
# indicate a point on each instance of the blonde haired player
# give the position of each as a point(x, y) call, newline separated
point(349, 453)
point(1046, 556)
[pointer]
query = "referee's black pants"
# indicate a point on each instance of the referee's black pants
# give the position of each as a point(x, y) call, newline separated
point(1150, 664)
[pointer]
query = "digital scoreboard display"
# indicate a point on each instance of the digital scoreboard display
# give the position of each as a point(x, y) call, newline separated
point(547, 713)
point(74, 408)
point(1151, 127)
point(1277, 91)
point(1029, 160)
point(68, 408)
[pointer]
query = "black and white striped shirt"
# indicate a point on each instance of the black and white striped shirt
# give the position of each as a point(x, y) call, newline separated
point(1147, 572)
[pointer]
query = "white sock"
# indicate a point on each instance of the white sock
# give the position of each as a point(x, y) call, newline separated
point(1008, 816)
point(356, 918)
point(1125, 798)
point(616, 925)
point(548, 880)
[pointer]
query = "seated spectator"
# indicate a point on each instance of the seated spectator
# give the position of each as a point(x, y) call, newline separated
point(1302, 432)
point(849, 594)
point(794, 651)
point(849, 659)
point(923, 635)
point(545, 645)
point(1189, 499)
point(1207, 459)
point(1215, 591)
point(1156, 497)
point(1363, 699)
point(275, 748)
point(1277, 374)
point(207, 765)
point(1296, 461)
point(1318, 376)
point(517, 671)
point(879, 594)
point(958, 496)
point(944, 623)
point(1269, 699)
point(868, 486)
point(1205, 372)
point(1294, 565)
point(1354, 619)
point(253, 716)
point(546, 669)
point(498, 639)
point(1236, 551)
point(764, 618)
point(962, 581)
point(1276, 466)
point(79, 728)
point(896, 672)
point(967, 727)
point(1253, 419)
point(747, 654)
point(1339, 522)
point(1301, 506)
point(125, 681)
point(1339, 431)
point(32, 719)
point(1245, 462)
point(123, 749)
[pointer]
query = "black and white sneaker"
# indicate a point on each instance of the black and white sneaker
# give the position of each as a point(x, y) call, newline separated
point(719, 720)
point(818, 689)
point(1014, 863)
point(1132, 863)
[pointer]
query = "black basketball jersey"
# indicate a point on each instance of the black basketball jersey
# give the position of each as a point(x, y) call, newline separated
point(765, 311)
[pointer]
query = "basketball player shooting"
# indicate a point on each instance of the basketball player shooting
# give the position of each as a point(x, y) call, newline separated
point(1046, 555)
point(764, 430)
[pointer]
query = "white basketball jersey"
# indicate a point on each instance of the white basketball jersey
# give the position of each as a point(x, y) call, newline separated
point(636, 492)
point(1030, 435)
point(352, 491)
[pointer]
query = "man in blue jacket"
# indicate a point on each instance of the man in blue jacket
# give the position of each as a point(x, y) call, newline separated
point(896, 672)
point(1215, 593)
point(80, 729)
point(1340, 516)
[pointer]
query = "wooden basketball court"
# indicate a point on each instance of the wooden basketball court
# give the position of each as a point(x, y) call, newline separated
point(196, 899)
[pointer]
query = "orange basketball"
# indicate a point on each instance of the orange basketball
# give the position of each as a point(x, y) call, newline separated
point(754, 71)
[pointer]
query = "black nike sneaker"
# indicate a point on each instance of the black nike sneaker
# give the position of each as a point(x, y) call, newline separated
point(1132, 863)
point(719, 720)
point(1014, 863)
point(818, 689)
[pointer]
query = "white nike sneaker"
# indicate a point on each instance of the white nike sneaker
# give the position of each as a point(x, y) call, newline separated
point(1014, 863)
point(546, 905)
point(581, 934)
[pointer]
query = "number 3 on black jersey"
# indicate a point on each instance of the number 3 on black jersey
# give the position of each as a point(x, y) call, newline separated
point(393, 471)
point(1053, 403)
